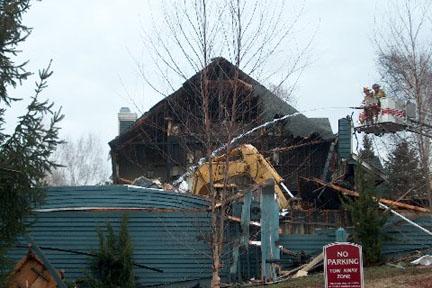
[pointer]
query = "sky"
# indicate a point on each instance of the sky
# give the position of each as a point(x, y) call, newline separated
point(96, 45)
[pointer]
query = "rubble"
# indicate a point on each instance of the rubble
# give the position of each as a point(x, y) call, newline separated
point(384, 201)
point(425, 260)
point(147, 183)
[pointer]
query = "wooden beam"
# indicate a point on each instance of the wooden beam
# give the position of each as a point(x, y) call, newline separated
point(388, 202)
point(238, 220)
point(309, 266)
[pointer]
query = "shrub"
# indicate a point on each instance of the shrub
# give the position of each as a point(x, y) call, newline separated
point(113, 265)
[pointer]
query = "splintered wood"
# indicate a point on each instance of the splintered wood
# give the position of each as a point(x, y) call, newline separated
point(309, 266)
point(388, 202)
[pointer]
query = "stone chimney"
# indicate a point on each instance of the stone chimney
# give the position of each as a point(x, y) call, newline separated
point(126, 119)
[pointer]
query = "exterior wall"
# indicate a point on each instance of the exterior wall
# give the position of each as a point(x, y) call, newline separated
point(168, 230)
point(308, 221)
point(403, 238)
point(167, 241)
point(308, 161)
point(174, 127)
point(152, 161)
point(345, 138)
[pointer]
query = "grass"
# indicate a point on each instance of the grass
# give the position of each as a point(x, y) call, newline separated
point(372, 274)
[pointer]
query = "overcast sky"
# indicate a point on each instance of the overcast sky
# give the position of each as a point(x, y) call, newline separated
point(93, 44)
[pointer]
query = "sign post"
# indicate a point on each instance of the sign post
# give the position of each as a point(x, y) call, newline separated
point(343, 265)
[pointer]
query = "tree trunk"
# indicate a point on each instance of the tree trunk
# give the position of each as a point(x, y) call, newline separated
point(424, 152)
point(216, 280)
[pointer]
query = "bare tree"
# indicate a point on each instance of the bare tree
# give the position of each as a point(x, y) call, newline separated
point(246, 33)
point(283, 92)
point(82, 163)
point(405, 61)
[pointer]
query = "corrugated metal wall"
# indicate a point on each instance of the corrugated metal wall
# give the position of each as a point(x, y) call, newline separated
point(405, 238)
point(402, 238)
point(345, 141)
point(310, 244)
point(119, 196)
point(172, 241)
point(169, 232)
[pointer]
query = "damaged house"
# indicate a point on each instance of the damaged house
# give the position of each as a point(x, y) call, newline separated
point(171, 231)
point(169, 138)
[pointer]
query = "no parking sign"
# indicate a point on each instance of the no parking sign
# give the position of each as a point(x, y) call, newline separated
point(343, 265)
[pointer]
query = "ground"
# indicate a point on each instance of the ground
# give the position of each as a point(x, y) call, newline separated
point(375, 277)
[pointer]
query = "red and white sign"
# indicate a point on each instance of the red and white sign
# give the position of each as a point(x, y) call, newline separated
point(343, 265)
point(393, 112)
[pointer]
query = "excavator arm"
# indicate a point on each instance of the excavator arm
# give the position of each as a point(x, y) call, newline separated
point(244, 160)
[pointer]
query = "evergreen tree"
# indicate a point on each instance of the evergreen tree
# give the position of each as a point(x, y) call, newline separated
point(367, 154)
point(368, 219)
point(404, 172)
point(113, 265)
point(24, 153)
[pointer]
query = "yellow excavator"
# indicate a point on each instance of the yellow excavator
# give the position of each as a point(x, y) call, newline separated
point(244, 161)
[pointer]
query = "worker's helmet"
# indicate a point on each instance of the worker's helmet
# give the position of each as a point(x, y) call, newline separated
point(376, 86)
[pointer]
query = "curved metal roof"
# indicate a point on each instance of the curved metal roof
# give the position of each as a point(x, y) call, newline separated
point(118, 196)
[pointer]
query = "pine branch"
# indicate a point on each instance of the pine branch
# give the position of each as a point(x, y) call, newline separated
point(12, 33)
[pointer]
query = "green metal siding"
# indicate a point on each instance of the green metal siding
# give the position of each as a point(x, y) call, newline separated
point(120, 196)
point(403, 238)
point(310, 244)
point(344, 140)
point(168, 240)
point(171, 240)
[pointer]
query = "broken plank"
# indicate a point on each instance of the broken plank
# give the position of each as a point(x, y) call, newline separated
point(348, 192)
point(309, 266)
